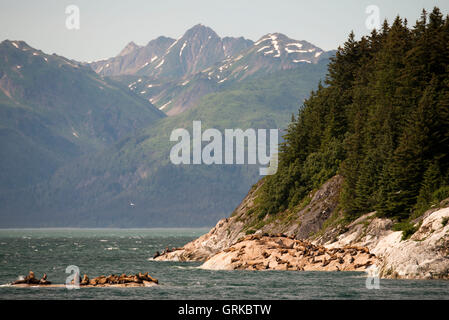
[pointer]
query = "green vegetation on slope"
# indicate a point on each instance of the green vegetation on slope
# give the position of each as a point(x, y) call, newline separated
point(97, 189)
point(53, 110)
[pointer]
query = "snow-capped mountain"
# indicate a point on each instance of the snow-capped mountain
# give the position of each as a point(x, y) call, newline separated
point(272, 52)
point(199, 48)
point(133, 58)
point(175, 74)
point(167, 58)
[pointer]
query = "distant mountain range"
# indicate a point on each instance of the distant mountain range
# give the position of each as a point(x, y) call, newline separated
point(166, 71)
point(79, 146)
point(53, 110)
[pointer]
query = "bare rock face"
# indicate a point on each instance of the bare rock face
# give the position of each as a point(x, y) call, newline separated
point(424, 256)
point(227, 231)
point(280, 252)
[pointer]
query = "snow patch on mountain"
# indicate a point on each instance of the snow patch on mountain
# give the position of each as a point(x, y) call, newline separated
point(263, 48)
point(160, 64)
point(161, 108)
point(182, 48)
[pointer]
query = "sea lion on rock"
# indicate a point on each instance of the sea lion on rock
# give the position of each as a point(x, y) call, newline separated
point(30, 278)
point(137, 279)
point(85, 280)
point(44, 280)
point(101, 280)
point(150, 278)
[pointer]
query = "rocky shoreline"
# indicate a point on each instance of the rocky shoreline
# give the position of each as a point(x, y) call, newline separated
point(319, 242)
point(136, 280)
point(280, 252)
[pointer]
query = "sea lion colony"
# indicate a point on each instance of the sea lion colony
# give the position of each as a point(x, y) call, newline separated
point(124, 280)
point(280, 252)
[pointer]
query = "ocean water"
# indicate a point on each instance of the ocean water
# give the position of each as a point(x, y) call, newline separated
point(116, 251)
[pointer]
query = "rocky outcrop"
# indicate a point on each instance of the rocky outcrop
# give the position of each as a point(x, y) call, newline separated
point(279, 252)
point(301, 222)
point(136, 280)
point(305, 220)
point(425, 255)
point(124, 280)
point(30, 279)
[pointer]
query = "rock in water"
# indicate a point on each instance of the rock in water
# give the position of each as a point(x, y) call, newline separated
point(85, 280)
point(137, 280)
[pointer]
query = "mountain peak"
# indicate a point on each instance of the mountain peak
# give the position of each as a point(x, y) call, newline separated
point(200, 29)
point(199, 26)
point(130, 47)
point(18, 44)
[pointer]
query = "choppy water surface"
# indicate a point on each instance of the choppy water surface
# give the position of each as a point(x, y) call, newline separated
point(116, 251)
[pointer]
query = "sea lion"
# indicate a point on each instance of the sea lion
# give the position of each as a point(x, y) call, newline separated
point(101, 280)
point(85, 280)
point(44, 280)
point(30, 278)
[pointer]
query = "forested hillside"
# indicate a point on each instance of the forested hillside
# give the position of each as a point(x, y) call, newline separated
point(380, 120)
point(97, 189)
point(53, 110)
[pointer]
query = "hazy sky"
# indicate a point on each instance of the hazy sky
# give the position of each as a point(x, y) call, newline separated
point(106, 26)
